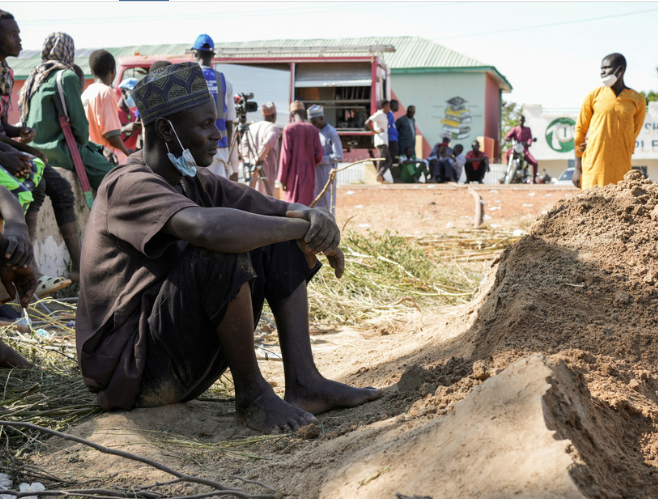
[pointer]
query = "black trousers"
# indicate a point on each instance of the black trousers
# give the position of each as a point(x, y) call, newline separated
point(394, 150)
point(473, 175)
point(59, 190)
point(184, 355)
point(443, 171)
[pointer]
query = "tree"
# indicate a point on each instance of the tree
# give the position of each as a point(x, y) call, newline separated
point(509, 119)
point(650, 96)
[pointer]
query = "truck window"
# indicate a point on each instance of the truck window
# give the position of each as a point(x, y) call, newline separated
point(136, 72)
point(343, 89)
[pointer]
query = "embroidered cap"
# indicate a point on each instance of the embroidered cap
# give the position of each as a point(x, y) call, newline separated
point(315, 111)
point(297, 105)
point(169, 90)
point(268, 109)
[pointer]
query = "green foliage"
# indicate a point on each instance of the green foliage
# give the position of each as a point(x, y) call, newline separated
point(650, 96)
point(509, 119)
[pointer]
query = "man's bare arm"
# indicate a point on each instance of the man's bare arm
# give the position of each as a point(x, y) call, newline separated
point(577, 171)
point(227, 230)
point(116, 142)
point(19, 146)
point(18, 250)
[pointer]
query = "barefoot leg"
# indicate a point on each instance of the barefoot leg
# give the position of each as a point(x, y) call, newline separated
point(256, 403)
point(10, 358)
point(306, 388)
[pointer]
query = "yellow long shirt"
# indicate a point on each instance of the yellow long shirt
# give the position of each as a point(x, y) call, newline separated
point(613, 122)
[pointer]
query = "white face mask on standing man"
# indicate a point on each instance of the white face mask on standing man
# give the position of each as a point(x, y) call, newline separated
point(611, 79)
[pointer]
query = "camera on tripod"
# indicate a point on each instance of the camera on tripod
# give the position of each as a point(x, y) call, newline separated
point(245, 106)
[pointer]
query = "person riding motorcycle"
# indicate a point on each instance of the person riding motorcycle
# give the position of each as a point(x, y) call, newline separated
point(523, 135)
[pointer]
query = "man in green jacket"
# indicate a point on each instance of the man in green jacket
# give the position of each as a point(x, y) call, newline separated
point(38, 110)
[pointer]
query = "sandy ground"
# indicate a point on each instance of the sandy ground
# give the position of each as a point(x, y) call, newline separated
point(439, 209)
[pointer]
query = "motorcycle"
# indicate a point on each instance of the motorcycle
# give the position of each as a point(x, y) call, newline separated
point(517, 167)
point(543, 179)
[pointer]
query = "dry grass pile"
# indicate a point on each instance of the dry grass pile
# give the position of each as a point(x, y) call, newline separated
point(386, 275)
point(52, 393)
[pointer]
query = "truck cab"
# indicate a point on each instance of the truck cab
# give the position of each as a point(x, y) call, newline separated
point(348, 82)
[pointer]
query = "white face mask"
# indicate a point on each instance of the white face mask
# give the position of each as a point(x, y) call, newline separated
point(186, 164)
point(610, 80)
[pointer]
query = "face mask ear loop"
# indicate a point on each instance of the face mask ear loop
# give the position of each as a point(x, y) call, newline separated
point(179, 142)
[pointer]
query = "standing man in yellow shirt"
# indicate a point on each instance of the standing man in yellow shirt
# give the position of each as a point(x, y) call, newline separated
point(613, 115)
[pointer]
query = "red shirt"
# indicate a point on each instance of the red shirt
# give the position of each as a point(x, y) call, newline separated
point(523, 135)
point(125, 118)
point(471, 154)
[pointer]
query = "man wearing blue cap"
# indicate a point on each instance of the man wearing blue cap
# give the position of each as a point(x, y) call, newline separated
point(177, 263)
point(222, 91)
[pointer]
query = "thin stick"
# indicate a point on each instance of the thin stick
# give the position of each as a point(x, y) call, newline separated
point(128, 455)
point(253, 481)
point(332, 176)
point(479, 209)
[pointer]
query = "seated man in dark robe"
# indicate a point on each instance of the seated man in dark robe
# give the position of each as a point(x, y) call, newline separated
point(177, 263)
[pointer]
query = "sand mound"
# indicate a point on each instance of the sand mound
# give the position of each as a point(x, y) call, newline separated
point(582, 287)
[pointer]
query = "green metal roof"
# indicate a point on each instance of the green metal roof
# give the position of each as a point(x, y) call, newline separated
point(411, 54)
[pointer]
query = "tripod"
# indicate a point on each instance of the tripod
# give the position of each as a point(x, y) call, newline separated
point(241, 131)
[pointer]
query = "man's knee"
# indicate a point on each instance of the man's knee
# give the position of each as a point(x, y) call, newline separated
point(59, 190)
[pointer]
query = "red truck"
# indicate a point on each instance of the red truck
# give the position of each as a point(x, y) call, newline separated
point(348, 86)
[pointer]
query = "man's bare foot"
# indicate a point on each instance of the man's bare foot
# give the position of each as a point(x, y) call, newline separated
point(262, 410)
point(10, 358)
point(324, 395)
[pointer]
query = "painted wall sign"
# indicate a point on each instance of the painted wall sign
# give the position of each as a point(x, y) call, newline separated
point(558, 132)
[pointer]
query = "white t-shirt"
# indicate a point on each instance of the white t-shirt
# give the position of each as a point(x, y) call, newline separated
point(228, 99)
point(380, 122)
point(460, 161)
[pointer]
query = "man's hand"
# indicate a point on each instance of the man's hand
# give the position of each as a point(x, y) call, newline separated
point(16, 164)
point(337, 261)
point(577, 171)
point(35, 152)
point(134, 127)
point(335, 257)
point(19, 251)
point(323, 235)
point(27, 135)
point(234, 177)
point(22, 279)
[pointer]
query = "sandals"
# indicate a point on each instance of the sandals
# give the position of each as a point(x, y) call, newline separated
point(47, 285)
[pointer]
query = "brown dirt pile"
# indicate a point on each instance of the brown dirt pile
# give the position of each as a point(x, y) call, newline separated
point(582, 287)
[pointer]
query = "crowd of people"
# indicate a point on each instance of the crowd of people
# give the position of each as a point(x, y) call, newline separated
point(444, 164)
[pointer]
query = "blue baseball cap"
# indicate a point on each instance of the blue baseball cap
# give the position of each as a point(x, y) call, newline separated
point(203, 42)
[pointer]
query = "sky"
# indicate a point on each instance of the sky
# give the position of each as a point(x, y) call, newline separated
point(549, 51)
